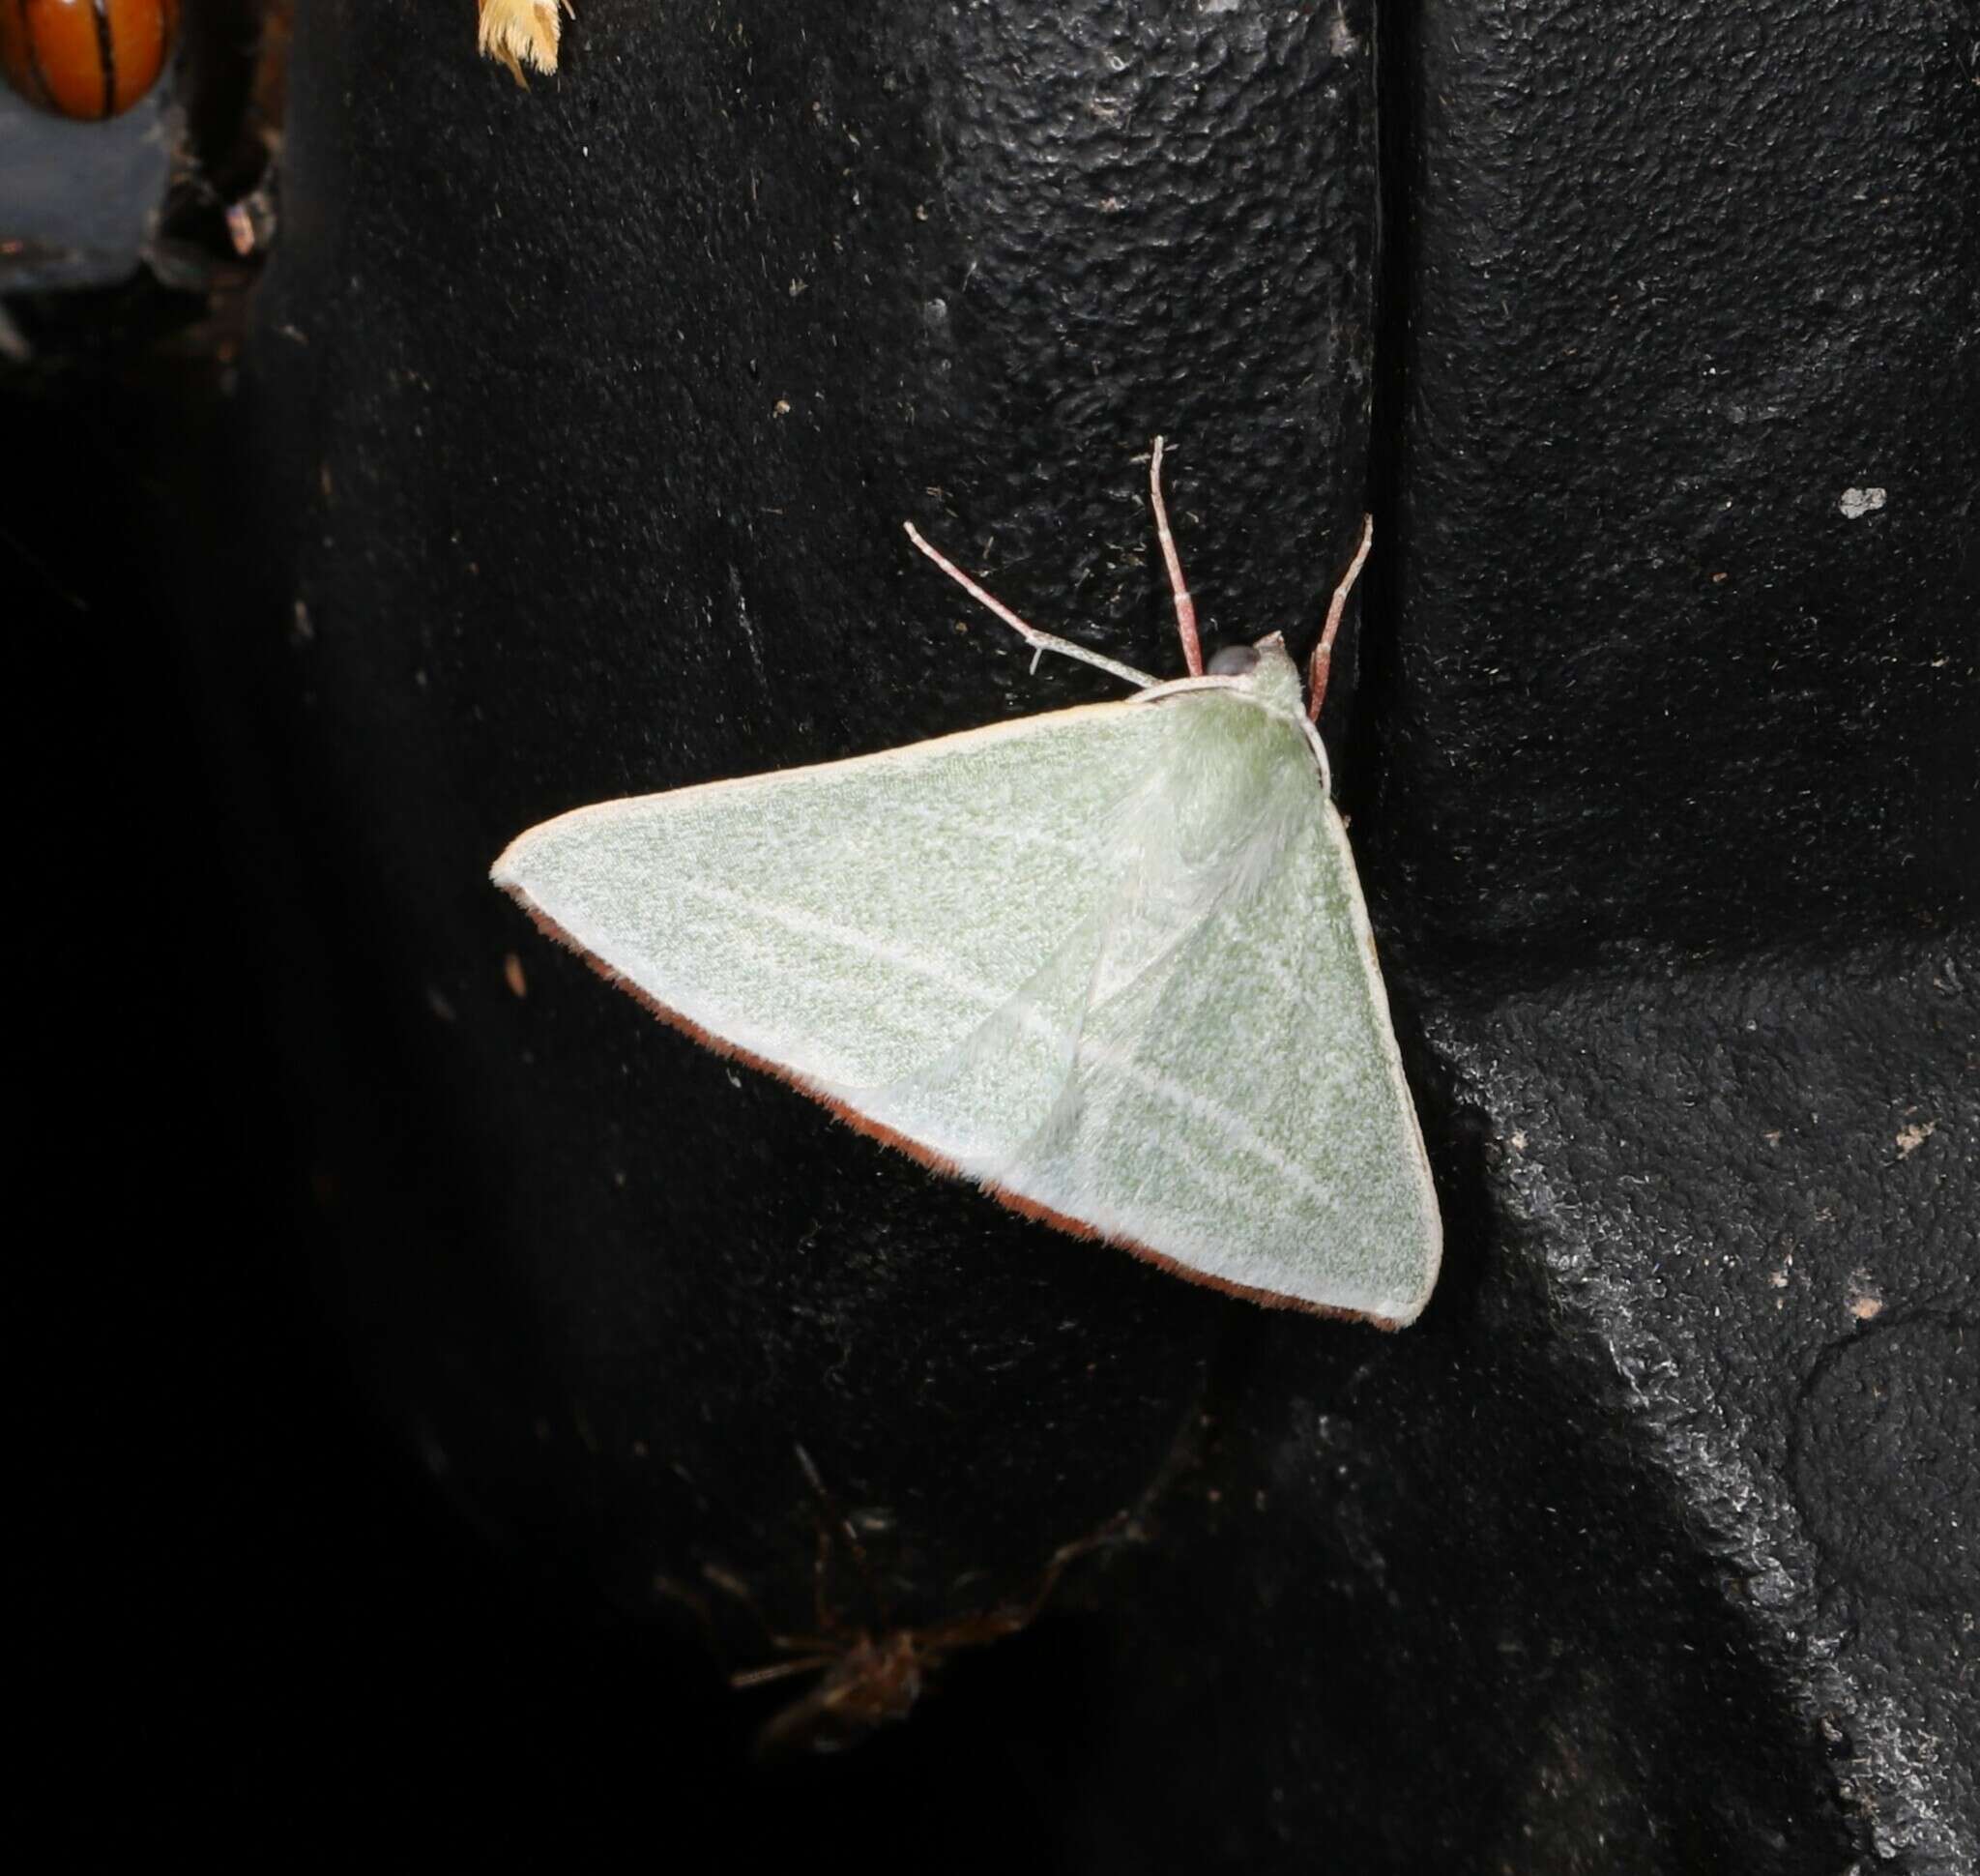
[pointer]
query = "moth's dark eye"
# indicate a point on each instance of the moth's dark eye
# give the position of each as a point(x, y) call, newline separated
point(1233, 661)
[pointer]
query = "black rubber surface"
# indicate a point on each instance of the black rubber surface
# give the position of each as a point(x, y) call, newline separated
point(571, 446)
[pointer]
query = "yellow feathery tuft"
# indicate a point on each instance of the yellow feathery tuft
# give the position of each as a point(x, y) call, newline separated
point(521, 32)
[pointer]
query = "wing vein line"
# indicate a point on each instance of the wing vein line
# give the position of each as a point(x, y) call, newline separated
point(812, 925)
point(1121, 1062)
point(1202, 1107)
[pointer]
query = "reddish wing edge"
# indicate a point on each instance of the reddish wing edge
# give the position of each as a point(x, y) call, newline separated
point(923, 1155)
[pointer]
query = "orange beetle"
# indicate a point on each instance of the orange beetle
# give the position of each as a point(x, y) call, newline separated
point(85, 58)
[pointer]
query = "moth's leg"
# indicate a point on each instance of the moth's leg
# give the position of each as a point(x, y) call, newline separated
point(1324, 652)
point(1185, 606)
point(1043, 641)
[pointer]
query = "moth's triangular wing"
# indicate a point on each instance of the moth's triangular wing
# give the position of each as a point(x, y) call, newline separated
point(852, 926)
point(1112, 961)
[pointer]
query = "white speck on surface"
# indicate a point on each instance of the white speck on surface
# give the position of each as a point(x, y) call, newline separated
point(1857, 502)
point(1913, 1136)
point(1865, 1305)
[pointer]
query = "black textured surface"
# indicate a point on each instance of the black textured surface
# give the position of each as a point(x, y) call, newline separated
point(663, 447)
point(1677, 282)
point(580, 425)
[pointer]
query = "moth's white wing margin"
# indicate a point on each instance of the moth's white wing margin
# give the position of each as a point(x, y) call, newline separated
point(932, 940)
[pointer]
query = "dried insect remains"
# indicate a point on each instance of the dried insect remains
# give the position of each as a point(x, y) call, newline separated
point(871, 1675)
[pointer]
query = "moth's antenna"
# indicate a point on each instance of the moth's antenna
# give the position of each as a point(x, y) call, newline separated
point(1324, 652)
point(1185, 606)
point(1041, 640)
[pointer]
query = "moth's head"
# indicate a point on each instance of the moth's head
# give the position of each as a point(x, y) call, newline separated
point(1265, 669)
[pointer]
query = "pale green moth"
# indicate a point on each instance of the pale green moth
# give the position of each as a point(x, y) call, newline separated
point(1112, 964)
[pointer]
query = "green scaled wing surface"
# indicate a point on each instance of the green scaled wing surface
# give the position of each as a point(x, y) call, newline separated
point(1110, 963)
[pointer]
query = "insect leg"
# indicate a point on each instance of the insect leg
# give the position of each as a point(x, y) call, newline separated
point(1012, 1618)
point(1185, 606)
point(1324, 652)
point(1043, 641)
point(829, 1619)
point(825, 1646)
point(758, 1677)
